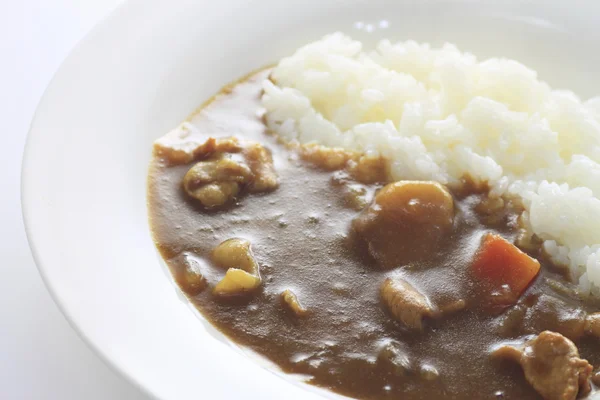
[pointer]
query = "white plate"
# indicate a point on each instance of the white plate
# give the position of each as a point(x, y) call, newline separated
point(143, 70)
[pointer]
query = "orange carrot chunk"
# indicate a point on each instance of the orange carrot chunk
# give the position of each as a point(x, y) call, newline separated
point(503, 270)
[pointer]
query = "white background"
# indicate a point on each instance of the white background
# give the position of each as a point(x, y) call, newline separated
point(41, 357)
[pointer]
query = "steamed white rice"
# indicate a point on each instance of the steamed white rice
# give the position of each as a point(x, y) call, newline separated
point(441, 114)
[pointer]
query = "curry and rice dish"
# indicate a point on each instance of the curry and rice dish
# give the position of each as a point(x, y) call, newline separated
point(406, 223)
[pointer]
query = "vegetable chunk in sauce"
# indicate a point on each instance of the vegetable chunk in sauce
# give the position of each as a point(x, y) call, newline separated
point(363, 285)
point(406, 222)
point(242, 274)
point(504, 269)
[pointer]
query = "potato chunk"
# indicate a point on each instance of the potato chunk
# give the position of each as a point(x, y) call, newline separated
point(235, 282)
point(290, 299)
point(242, 275)
point(406, 222)
point(235, 253)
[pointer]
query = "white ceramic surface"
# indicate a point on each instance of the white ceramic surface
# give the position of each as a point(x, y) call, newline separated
point(143, 70)
point(42, 357)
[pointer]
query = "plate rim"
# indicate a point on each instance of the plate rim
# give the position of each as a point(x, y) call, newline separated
point(88, 36)
point(26, 191)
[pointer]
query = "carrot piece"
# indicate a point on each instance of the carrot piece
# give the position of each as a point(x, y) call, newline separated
point(503, 269)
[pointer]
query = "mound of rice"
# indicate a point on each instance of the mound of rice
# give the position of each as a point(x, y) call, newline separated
point(440, 114)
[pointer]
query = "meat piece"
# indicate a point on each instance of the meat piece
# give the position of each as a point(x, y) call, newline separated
point(227, 167)
point(216, 194)
point(217, 146)
point(393, 357)
point(527, 241)
point(242, 274)
point(218, 169)
point(189, 277)
point(406, 222)
point(562, 287)
point(556, 315)
point(192, 282)
point(369, 169)
point(356, 196)
point(215, 182)
point(536, 313)
point(429, 372)
point(453, 307)
point(363, 168)
point(177, 146)
point(261, 164)
point(328, 158)
point(551, 365)
point(183, 145)
point(592, 324)
point(406, 303)
point(291, 301)
point(596, 378)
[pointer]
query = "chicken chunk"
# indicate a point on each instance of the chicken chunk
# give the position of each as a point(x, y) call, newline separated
point(556, 315)
point(327, 158)
point(406, 303)
point(261, 164)
point(369, 169)
point(596, 378)
point(217, 169)
point(394, 358)
point(453, 307)
point(406, 222)
point(291, 301)
point(183, 145)
point(551, 365)
point(216, 194)
point(177, 146)
point(545, 312)
point(592, 324)
point(428, 372)
point(215, 182)
point(226, 168)
point(363, 168)
point(190, 277)
point(242, 274)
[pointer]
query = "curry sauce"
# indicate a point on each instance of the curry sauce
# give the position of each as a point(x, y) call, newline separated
point(320, 308)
